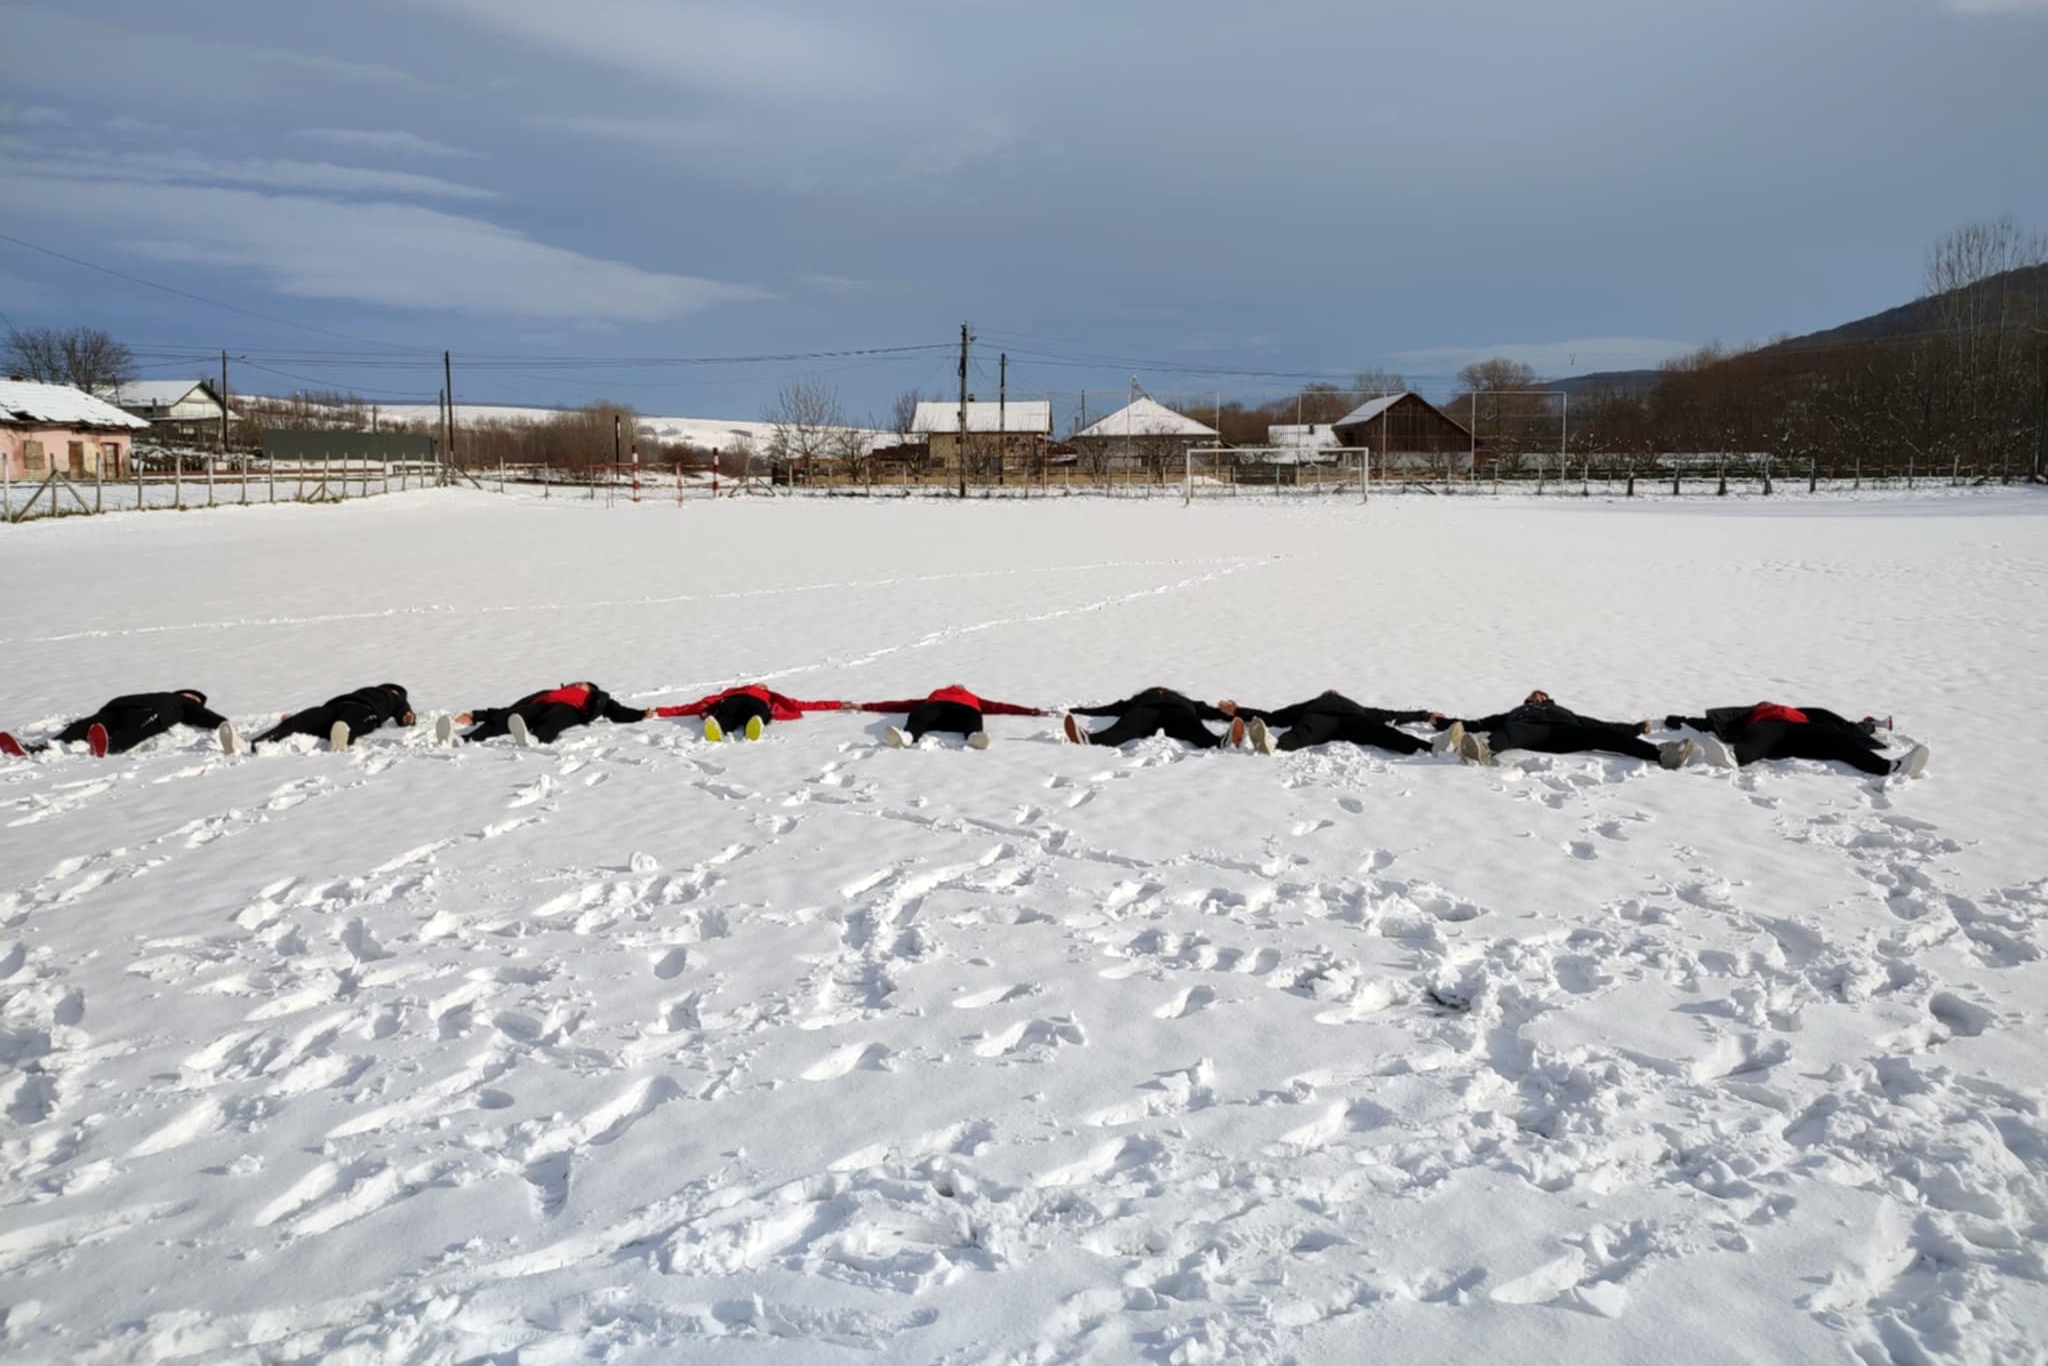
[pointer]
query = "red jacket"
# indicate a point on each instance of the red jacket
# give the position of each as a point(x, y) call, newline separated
point(1772, 711)
point(579, 698)
point(960, 695)
point(780, 708)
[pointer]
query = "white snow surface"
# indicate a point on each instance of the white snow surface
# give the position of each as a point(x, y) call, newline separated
point(25, 402)
point(634, 1048)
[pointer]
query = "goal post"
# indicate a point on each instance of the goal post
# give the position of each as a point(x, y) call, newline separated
point(1312, 470)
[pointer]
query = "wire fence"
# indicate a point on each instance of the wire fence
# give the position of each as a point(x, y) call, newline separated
point(165, 480)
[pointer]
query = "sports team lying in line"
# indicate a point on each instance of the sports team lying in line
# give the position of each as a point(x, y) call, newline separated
point(1728, 736)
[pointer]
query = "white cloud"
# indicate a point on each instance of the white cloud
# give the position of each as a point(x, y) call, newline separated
point(733, 48)
point(1554, 359)
point(382, 140)
point(267, 173)
point(671, 133)
point(397, 255)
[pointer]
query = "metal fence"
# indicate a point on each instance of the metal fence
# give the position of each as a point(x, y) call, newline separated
point(161, 480)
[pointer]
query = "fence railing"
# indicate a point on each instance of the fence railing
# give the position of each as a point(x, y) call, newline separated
point(167, 481)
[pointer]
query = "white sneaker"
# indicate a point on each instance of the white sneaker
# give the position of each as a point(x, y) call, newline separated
point(1262, 736)
point(978, 740)
point(1674, 753)
point(894, 738)
point(520, 734)
point(444, 730)
point(337, 738)
point(1474, 749)
point(1716, 753)
point(231, 741)
point(1451, 740)
point(1913, 765)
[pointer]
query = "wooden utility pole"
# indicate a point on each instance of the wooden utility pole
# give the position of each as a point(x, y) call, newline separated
point(961, 452)
point(1002, 412)
point(448, 388)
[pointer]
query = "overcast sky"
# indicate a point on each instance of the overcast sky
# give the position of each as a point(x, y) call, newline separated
point(1209, 196)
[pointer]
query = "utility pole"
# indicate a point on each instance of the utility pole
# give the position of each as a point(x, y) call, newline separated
point(448, 388)
point(1002, 412)
point(223, 404)
point(961, 452)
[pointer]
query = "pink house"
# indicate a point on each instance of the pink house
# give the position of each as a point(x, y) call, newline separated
point(54, 428)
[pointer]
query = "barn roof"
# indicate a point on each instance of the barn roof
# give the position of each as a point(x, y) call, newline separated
point(1147, 417)
point(160, 395)
point(24, 402)
point(1025, 416)
point(1368, 410)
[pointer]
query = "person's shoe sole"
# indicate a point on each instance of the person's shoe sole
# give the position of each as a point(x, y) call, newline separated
point(712, 730)
point(894, 738)
point(1915, 763)
point(230, 740)
point(337, 737)
point(444, 730)
point(1474, 749)
point(520, 734)
point(1716, 753)
point(1072, 726)
point(96, 741)
point(1674, 753)
point(754, 728)
point(1236, 730)
point(978, 740)
point(1262, 736)
point(1452, 741)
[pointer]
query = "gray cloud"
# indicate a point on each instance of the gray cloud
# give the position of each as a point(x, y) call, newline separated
point(381, 140)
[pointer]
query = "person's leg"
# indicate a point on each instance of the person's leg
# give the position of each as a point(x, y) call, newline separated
point(1360, 730)
point(1317, 728)
point(489, 724)
point(546, 723)
point(1821, 742)
point(1186, 727)
point(1759, 741)
point(1135, 724)
point(1573, 740)
point(949, 716)
point(126, 730)
point(734, 712)
point(311, 721)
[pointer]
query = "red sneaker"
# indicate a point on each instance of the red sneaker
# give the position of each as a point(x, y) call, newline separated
point(96, 740)
point(11, 746)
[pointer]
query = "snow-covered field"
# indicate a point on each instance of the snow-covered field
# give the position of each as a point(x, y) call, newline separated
point(638, 1049)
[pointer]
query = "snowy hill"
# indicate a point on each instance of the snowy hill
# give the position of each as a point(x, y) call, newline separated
point(642, 1049)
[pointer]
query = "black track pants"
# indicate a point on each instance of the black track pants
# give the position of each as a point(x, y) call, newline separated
point(1615, 739)
point(947, 716)
point(1319, 728)
point(734, 712)
point(1141, 721)
point(1792, 740)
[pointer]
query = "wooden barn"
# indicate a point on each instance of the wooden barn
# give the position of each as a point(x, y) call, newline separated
point(48, 429)
point(1407, 432)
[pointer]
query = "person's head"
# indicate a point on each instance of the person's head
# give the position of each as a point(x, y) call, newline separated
point(581, 683)
point(194, 694)
point(1329, 692)
point(1535, 697)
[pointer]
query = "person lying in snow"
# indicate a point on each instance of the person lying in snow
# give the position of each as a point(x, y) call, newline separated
point(1326, 717)
point(747, 710)
point(1770, 730)
point(542, 716)
point(125, 722)
point(341, 719)
point(951, 708)
point(1542, 725)
point(1154, 711)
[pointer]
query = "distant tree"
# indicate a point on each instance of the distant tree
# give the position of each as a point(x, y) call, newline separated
point(1983, 309)
point(84, 357)
point(808, 424)
point(903, 412)
point(1374, 383)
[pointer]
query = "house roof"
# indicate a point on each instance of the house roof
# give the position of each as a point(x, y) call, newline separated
point(1368, 410)
point(158, 394)
point(1025, 416)
point(1147, 417)
point(23, 402)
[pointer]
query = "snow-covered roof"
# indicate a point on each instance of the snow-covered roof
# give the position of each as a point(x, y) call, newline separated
point(1023, 416)
point(24, 402)
point(1310, 436)
point(156, 393)
point(1367, 411)
point(1147, 417)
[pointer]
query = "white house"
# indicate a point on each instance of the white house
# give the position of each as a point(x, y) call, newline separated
point(183, 406)
point(1143, 434)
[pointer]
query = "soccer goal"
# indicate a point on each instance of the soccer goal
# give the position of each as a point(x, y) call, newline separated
point(1299, 469)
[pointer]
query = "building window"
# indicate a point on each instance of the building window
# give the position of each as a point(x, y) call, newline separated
point(32, 456)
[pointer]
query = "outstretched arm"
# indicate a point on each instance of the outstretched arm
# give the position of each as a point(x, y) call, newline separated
point(197, 715)
point(614, 710)
point(1011, 709)
point(1106, 709)
point(696, 708)
point(900, 704)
